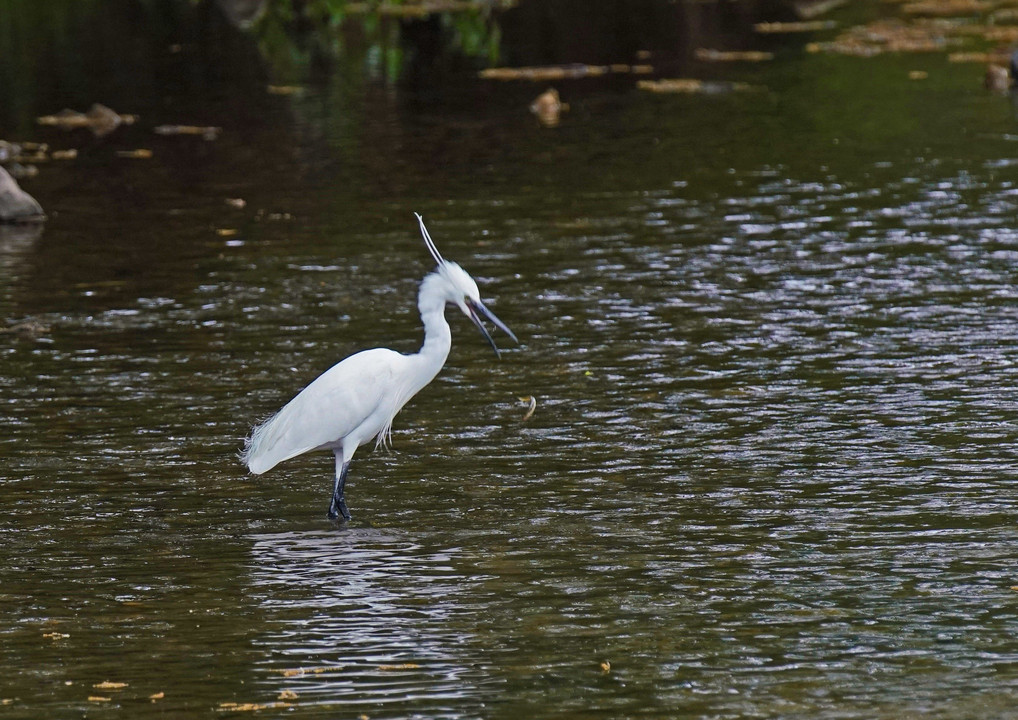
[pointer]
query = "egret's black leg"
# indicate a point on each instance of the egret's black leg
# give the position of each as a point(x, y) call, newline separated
point(338, 505)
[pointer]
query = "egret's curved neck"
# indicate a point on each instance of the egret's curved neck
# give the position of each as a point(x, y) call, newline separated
point(437, 335)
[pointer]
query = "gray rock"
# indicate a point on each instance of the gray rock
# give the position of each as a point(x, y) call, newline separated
point(16, 205)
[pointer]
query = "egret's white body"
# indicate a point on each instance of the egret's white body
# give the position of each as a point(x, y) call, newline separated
point(357, 399)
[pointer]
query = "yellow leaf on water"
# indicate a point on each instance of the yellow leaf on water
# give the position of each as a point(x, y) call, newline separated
point(287, 695)
point(297, 672)
point(531, 402)
point(606, 666)
point(98, 698)
point(109, 685)
point(404, 666)
point(55, 635)
point(226, 232)
point(251, 707)
point(156, 696)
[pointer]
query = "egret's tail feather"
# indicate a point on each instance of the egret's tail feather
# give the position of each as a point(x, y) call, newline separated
point(270, 443)
point(254, 455)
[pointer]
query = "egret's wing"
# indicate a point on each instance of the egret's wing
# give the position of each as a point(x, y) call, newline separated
point(328, 409)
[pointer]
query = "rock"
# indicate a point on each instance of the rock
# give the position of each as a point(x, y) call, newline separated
point(16, 205)
point(997, 79)
point(548, 107)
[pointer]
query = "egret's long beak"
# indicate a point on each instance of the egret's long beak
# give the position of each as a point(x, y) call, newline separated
point(476, 308)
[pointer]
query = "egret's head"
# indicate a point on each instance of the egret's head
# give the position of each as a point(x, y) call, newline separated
point(461, 291)
point(461, 287)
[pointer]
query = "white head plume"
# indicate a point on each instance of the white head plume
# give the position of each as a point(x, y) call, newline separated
point(429, 242)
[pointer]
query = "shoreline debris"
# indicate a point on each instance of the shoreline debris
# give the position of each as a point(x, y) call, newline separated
point(708, 55)
point(545, 73)
point(801, 26)
point(693, 87)
point(100, 119)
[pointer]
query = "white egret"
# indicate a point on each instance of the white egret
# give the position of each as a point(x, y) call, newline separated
point(357, 399)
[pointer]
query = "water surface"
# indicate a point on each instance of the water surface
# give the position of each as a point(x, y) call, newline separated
point(771, 336)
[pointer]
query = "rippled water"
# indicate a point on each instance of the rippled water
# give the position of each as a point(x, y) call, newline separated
point(769, 474)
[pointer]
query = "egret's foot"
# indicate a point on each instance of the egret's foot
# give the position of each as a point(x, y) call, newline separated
point(338, 507)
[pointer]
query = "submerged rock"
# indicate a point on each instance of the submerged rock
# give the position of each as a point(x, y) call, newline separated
point(548, 107)
point(16, 205)
point(997, 79)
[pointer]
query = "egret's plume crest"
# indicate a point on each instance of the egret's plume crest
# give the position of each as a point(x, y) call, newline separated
point(429, 242)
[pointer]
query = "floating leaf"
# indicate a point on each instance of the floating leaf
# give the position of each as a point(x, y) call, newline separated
point(531, 401)
point(252, 707)
point(109, 685)
point(298, 672)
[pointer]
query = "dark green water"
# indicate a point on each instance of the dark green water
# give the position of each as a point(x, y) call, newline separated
point(773, 339)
